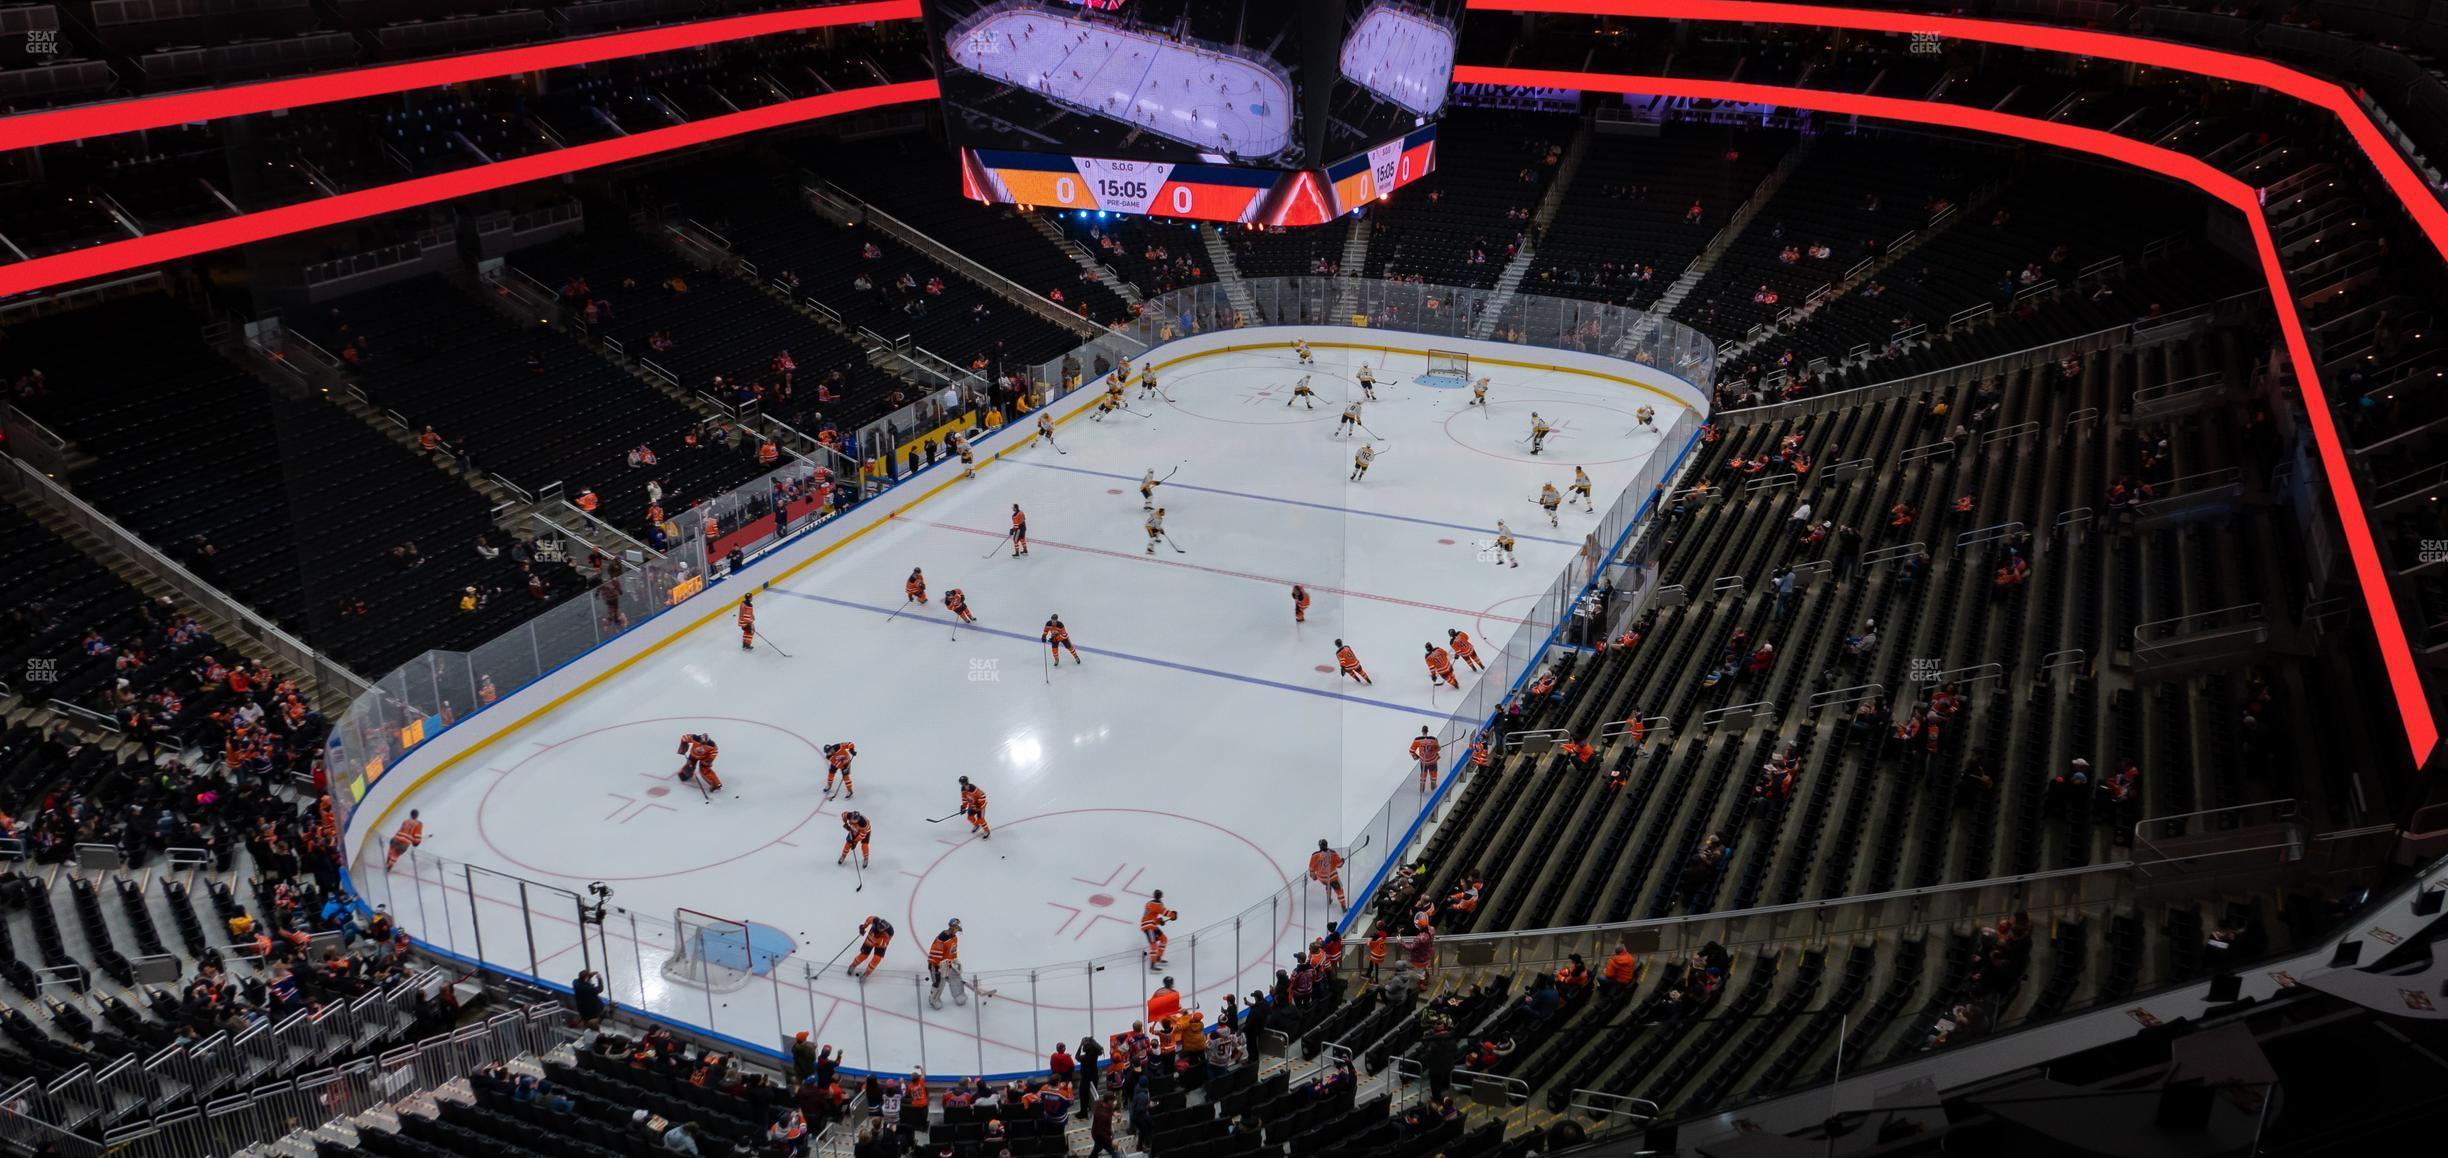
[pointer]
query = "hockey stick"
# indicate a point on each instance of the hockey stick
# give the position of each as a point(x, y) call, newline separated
point(861, 865)
point(905, 602)
point(769, 642)
point(992, 551)
point(828, 965)
point(1372, 433)
point(1168, 538)
point(1139, 413)
point(1045, 666)
point(944, 817)
point(702, 794)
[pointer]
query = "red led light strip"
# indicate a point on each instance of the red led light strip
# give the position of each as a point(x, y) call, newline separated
point(172, 244)
point(2422, 733)
point(27, 130)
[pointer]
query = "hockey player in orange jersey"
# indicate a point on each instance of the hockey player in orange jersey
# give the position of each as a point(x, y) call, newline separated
point(1326, 868)
point(837, 761)
point(914, 589)
point(973, 806)
point(1057, 639)
point(958, 604)
point(700, 750)
point(1440, 666)
point(1300, 604)
point(1349, 662)
point(855, 832)
point(1152, 920)
point(747, 621)
point(1463, 649)
point(875, 936)
point(1424, 752)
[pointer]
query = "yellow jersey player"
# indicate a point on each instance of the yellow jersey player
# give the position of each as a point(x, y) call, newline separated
point(1300, 351)
point(1351, 418)
point(1548, 501)
point(1368, 383)
point(1147, 382)
point(1504, 545)
point(1479, 392)
point(1302, 394)
point(1538, 432)
point(1147, 489)
point(1361, 460)
point(1647, 416)
point(1581, 487)
point(1155, 528)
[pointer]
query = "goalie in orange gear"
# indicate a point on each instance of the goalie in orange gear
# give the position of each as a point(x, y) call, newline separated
point(973, 806)
point(875, 936)
point(1152, 920)
point(700, 750)
point(1326, 868)
point(837, 760)
point(914, 589)
point(855, 831)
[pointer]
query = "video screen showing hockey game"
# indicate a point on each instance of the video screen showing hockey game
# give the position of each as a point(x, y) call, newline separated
point(1393, 71)
point(1158, 80)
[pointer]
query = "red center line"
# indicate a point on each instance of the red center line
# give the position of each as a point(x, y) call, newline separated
point(1253, 576)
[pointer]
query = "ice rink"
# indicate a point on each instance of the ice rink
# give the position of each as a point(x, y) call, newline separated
point(1203, 747)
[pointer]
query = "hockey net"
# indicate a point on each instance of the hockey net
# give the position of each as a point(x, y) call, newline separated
point(1448, 364)
point(709, 952)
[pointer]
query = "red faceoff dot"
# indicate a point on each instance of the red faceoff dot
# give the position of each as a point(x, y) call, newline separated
point(1102, 900)
point(1324, 667)
point(1445, 542)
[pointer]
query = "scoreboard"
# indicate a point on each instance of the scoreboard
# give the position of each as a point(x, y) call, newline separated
point(1198, 192)
point(1264, 112)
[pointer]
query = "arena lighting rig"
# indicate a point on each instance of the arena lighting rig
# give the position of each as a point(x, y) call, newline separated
point(49, 126)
